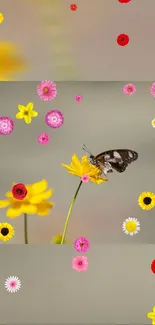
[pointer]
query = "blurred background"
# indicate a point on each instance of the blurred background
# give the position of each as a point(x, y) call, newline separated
point(44, 39)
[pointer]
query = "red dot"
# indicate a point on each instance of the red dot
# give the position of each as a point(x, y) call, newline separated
point(153, 266)
point(73, 7)
point(124, 1)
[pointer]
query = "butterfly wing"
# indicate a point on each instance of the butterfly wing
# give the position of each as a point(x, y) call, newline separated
point(119, 159)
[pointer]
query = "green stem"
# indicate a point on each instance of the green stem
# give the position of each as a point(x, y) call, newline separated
point(25, 228)
point(69, 214)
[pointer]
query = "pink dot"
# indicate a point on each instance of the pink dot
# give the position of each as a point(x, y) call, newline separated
point(13, 284)
point(85, 179)
point(78, 98)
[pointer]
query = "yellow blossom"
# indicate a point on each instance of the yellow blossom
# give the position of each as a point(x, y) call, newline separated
point(26, 112)
point(57, 239)
point(151, 315)
point(11, 62)
point(35, 201)
point(84, 167)
point(1, 17)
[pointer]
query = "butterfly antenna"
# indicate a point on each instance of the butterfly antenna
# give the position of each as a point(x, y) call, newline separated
point(84, 147)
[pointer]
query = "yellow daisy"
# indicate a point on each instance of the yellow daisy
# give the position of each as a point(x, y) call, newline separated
point(151, 315)
point(131, 226)
point(26, 112)
point(84, 168)
point(146, 200)
point(35, 201)
point(6, 231)
point(1, 17)
point(57, 239)
point(11, 62)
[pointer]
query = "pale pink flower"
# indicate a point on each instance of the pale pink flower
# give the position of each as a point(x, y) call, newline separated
point(152, 89)
point(129, 89)
point(6, 125)
point(43, 138)
point(12, 284)
point(47, 90)
point(54, 119)
point(81, 244)
point(80, 263)
point(78, 98)
point(85, 179)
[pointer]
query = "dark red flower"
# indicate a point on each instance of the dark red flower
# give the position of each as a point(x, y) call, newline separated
point(153, 266)
point(19, 191)
point(73, 7)
point(124, 1)
point(122, 39)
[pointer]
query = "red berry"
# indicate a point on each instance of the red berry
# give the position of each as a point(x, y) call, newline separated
point(73, 7)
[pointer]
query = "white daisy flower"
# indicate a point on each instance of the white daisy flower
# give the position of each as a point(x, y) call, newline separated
point(12, 284)
point(153, 123)
point(131, 226)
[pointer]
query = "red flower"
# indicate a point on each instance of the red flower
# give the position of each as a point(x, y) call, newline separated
point(73, 7)
point(122, 39)
point(153, 266)
point(124, 1)
point(19, 191)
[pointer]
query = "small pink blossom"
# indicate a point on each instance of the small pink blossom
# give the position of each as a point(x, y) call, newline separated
point(81, 244)
point(47, 90)
point(78, 98)
point(6, 125)
point(85, 179)
point(54, 119)
point(129, 89)
point(80, 263)
point(43, 138)
point(152, 89)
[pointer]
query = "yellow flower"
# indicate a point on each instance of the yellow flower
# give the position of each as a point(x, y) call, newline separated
point(1, 17)
point(34, 203)
point(57, 240)
point(151, 315)
point(6, 231)
point(153, 123)
point(146, 200)
point(26, 112)
point(79, 169)
point(10, 61)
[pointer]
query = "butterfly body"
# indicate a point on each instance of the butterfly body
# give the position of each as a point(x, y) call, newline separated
point(117, 159)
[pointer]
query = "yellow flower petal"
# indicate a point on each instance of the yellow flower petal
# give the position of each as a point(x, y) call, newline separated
point(33, 113)
point(29, 208)
point(19, 115)
point(9, 194)
point(5, 203)
point(151, 315)
point(39, 187)
point(21, 108)
point(27, 119)
point(1, 18)
point(75, 164)
point(29, 106)
point(41, 197)
point(43, 209)
point(14, 211)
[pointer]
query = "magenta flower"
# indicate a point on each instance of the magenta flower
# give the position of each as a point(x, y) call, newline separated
point(80, 263)
point(54, 119)
point(43, 138)
point(78, 98)
point(81, 244)
point(152, 89)
point(47, 90)
point(6, 125)
point(129, 89)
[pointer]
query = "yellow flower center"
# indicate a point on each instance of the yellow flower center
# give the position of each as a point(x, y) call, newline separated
point(46, 90)
point(131, 226)
point(26, 112)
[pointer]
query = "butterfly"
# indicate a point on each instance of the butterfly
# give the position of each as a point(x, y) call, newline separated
point(110, 160)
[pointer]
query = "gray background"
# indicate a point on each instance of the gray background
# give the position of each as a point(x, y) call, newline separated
point(118, 287)
point(82, 45)
point(105, 119)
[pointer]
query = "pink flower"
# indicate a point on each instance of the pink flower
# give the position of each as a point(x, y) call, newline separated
point(85, 179)
point(43, 138)
point(78, 98)
point(6, 125)
point(80, 263)
point(129, 89)
point(81, 244)
point(152, 89)
point(47, 90)
point(54, 119)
